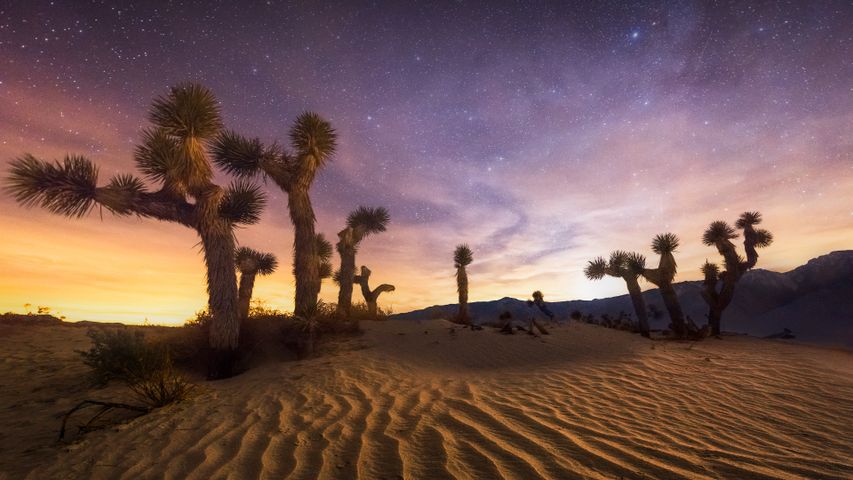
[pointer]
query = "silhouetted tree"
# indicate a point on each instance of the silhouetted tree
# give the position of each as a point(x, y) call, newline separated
point(462, 257)
point(251, 263)
point(539, 301)
point(313, 141)
point(627, 266)
point(665, 245)
point(361, 222)
point(173, 154)
point(371, 296)
point(720, 234)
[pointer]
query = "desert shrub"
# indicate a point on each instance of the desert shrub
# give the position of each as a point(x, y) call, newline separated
point(146, 368)
point(576, 315)
point(119, 354)
point(162, 386)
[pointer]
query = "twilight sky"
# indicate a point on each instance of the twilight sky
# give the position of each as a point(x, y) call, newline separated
point(541, 134)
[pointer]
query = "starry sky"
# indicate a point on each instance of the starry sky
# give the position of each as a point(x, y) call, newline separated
point(541, 133)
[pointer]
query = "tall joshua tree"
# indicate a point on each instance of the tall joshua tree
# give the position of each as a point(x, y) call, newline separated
point(172, 154)
point(720, 235)
point(361, 222)
point(462, 257)
point(628, 266)
point(371, 296)
point(251, 263)
point(313, 142)
point(665, 245)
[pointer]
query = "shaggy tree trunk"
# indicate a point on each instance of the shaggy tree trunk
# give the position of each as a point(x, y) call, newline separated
point(217, 239)
point(218, 243)
point(305, 265)
point(676, 316)
point(714, 317)
point(346, 274)
point(462, 287)
point(727, 293)
point(247, 284)
point(639, 304)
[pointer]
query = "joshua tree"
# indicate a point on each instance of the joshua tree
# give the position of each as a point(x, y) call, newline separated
point(371, 296)
point(361, 222)
point(313, 142)
point(539, 301)
point(173, 154)
point(251, 263)
point(665, 245)
point(462, 257)
point(720, 235)
point(628, 266)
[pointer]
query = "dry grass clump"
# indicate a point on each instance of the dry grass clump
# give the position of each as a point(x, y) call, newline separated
point(162, 386)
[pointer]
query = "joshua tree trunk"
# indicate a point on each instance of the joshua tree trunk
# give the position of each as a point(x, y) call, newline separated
point(670, 301)
point(305, 263)
point(715, 313)
point(346, 275)
point(673, 307)
point(639, 304)
point(247, 284)
point(218, 243)
point(462, 287)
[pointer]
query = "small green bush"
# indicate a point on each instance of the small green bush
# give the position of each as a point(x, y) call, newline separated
point(119, 354)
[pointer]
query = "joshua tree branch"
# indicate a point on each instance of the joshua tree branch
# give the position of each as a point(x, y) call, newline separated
point(160, 205)
point(380, 289)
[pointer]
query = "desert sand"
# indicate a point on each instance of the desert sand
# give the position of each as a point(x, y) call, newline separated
point(415, 400)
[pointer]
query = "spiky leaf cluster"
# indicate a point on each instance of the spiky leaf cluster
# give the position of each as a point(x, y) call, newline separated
point(66, 188)
point(718, 231)
point(617, 260)
point(710, 270)
point(665, 243)
point(314, 136)
point(157, 156)
point(371, 220)
point(462, 256)
point(266, 263)
point(243, 202)
point(238, 155)
point(748, 219)
point(763, 238)
point(190, 110)
point(596, 268)
point(635, 263)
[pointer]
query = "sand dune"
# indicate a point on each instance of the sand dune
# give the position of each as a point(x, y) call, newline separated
point(413, 400)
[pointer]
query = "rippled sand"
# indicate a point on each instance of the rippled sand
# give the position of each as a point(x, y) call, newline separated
point(413, 400)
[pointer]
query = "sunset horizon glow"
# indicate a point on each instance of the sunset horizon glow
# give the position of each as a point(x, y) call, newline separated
point(540, 138)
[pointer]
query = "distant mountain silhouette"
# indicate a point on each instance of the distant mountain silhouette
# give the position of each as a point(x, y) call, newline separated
point(814, 300)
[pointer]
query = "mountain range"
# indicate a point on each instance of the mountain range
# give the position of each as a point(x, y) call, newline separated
point(814, 301)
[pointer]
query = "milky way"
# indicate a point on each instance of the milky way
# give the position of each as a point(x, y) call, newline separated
point(541, 134)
